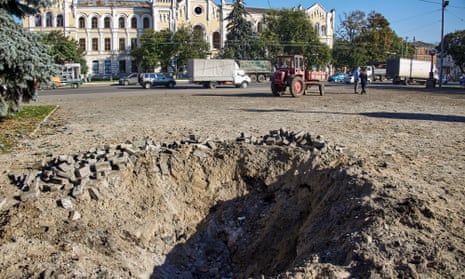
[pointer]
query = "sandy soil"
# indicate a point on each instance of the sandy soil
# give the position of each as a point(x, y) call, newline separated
point(397, 210)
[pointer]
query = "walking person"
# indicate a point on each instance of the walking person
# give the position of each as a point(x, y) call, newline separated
point(355, 74)
point(363, 77)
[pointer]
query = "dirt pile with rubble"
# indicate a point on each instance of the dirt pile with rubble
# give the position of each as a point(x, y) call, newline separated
point(284, 203)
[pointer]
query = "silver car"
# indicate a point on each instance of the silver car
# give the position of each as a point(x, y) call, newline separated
point(129, 79)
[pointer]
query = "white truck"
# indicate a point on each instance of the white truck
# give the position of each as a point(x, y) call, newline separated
point(212, 72)
point(407, 71)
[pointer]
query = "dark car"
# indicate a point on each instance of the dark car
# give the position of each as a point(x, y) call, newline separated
point(149, 80)
point(130, 79)
point(338, 77)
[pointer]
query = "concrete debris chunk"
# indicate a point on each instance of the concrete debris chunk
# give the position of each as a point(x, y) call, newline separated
point(66, 203)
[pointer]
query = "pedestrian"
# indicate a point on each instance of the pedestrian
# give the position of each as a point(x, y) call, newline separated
point(355, 75)
point(363, 77)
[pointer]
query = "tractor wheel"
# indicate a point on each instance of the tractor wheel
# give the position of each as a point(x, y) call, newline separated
point(276, 90)
point(297, 86)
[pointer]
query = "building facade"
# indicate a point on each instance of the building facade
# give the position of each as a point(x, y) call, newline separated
point(108, 29)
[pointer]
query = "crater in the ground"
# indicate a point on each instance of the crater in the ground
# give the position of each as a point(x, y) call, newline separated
point(199, 209)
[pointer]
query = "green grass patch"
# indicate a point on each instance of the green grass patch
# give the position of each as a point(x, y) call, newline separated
point(15, 128)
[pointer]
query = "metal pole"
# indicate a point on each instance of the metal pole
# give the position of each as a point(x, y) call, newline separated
point(444, 4)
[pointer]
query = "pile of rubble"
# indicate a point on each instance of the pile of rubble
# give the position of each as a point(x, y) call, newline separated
point(75, 173)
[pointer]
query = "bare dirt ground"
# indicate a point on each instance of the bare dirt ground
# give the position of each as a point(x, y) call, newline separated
point(383, 198)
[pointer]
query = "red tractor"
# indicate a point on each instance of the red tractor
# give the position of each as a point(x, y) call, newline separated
point(290, 72)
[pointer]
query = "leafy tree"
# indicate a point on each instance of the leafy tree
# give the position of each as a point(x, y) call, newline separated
point(155, 50)
point(188, 44)
point(294, 32)
point(64, 49)
point(239, 39)
point(159, 48)
point(363, 39)
point(454, 45)
point(24, 61)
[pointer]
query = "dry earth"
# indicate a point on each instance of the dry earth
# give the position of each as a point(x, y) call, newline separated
point(384, 197)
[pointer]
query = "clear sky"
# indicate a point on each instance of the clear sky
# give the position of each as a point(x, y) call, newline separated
point(408, 18)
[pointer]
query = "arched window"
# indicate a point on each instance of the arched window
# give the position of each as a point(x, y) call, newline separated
point(59, 20)
point(198, 32)
point(317, 28)
point(146, 23)
point(134, 23)
point(94, 22)
point(121, 23)
point(38, 20)
point(106, 22)
point(216, 40)
point(48, 19)
point(260, 27)
point(82, 22)
point(323, 30)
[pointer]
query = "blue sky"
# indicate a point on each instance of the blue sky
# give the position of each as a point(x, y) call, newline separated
point(408, 18)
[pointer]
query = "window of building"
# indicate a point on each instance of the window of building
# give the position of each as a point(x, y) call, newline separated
point(122, 44)
point(82, 22)
point(146, 23)
point(198, 10)
point(48, 19)
point(82, 43)
point(260, 27)
point(134, 67)
point(122, 66)
point(94, 23)
point(107, 67)
point(134, 23)
point(106, 22)
point(216, 40)
point(107, 44)
point(133, 43)
point(94, 44)
point(38, 20)
point(198, 32)
point(59, 20)
point(121, 23)
point(95, 67)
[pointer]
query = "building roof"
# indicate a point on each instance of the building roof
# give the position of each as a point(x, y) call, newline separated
point(114, 3)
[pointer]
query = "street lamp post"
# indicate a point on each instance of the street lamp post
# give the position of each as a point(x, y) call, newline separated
point(444, 5)
point(431, 82)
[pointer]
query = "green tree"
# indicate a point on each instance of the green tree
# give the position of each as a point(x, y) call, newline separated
point(24, 61)
point(363, 39)
point(239, 39)
point(159, 48)
point(454, 45)
point(294, 32)
point(64, 49)
point(188, 44)
point(156, 50)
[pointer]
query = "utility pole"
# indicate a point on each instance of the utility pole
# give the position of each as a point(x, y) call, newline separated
point(444, 5)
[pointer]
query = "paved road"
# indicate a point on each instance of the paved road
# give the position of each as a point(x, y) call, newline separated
point(108, 88)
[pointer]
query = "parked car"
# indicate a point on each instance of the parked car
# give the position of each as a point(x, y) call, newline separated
point(130, 79)
point(149, 80)
point(349, 79)
point(338, 77)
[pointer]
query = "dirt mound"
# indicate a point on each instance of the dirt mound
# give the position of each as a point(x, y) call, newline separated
point(282, 205)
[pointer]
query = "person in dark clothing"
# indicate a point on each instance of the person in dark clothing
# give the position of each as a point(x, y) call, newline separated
point(363, 76)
